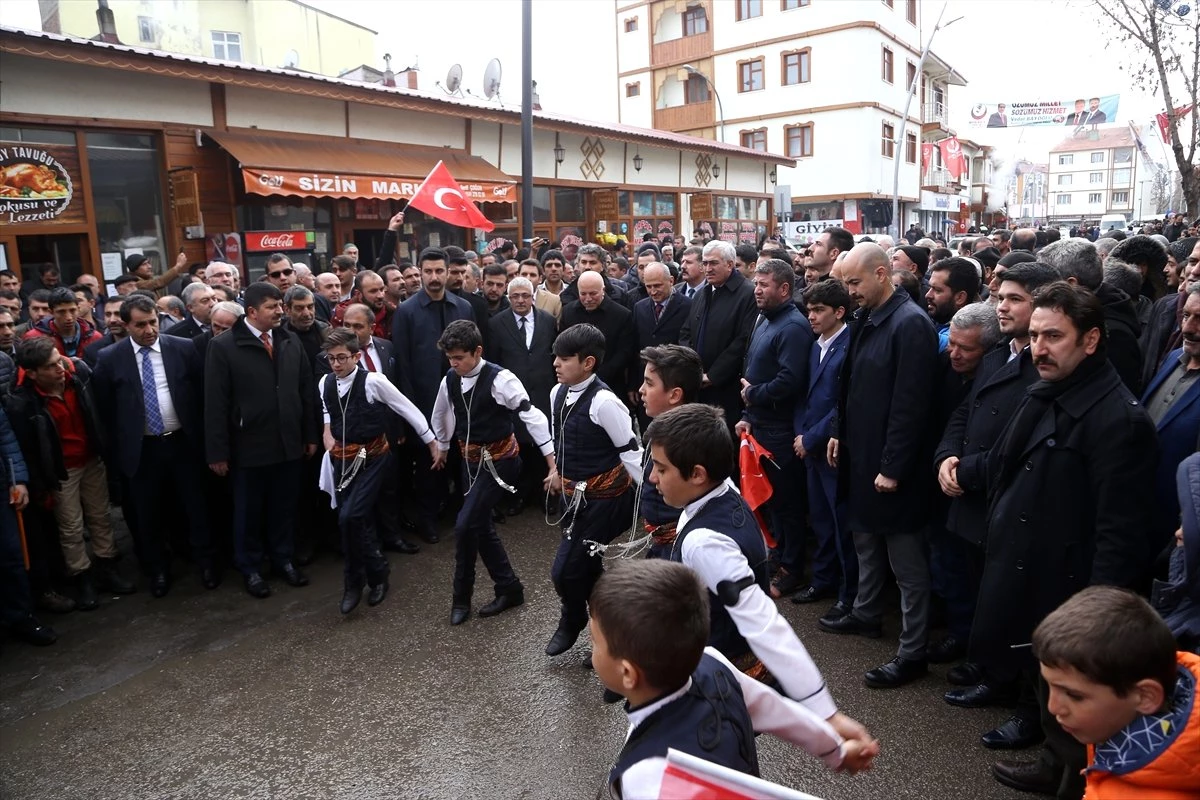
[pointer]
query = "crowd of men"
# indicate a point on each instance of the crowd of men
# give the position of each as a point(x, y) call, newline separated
point(996, 427)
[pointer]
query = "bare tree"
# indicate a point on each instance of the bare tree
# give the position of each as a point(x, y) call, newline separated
point(1164, 39)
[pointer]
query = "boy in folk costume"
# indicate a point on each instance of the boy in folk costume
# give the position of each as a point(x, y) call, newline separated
point(356, 404)
point(475, 405)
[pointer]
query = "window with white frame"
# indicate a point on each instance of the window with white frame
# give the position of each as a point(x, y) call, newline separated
point(1098, 158)
point(1065, 180)
point(1095, 177)
point(1064, 199)
point(146, 29)
point(1095, 198)
point(1066, 160)
point(1120, 198)
point(227, 46)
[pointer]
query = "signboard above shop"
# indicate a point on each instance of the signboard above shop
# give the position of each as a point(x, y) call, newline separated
point(39, 185)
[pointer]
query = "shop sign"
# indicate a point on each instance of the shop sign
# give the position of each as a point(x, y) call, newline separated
point(702, 205)
point(604, 204)
point(794, 230)
point(317, 184)
point(277, 241)
point(35, 186)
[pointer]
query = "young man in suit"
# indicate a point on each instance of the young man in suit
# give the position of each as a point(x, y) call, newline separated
point(148, 392)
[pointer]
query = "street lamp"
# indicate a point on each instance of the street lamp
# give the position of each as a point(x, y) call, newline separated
point(690, 70)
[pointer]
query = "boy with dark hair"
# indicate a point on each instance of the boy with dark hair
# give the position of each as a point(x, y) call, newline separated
point(599, 458)
point(355, 406)
point(1118, 685)
point(475, 405)
point(718, 536)
point(649, 627)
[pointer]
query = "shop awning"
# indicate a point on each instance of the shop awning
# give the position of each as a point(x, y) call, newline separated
point(272, 164)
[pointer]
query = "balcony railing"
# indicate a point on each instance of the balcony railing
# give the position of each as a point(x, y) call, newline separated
point(936, 178)
point(682, 50)
point(935, 114)
point(687, 117)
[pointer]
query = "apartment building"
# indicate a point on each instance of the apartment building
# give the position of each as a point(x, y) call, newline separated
point(1027, 193)
point(1092, 174)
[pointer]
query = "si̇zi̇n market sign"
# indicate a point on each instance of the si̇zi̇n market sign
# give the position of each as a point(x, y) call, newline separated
point(34, 185)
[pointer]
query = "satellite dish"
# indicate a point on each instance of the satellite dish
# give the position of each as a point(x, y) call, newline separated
point(491, 79)
point(291, 60)
point(454, 79)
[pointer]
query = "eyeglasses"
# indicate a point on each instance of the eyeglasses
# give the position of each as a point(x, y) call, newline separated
point(520, 296)
point(712, 263)
point(281, 274)
point(340, 359)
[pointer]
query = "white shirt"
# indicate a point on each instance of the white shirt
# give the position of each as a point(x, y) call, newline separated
point(825, 343)
point(716, 557)
point(770, 712)
point(376, 360)
point(609, 413)
point(508, 391)
point(258, 334)
point(1014, 351)
point(166, 406)
point(528, 317)
point(380, 390)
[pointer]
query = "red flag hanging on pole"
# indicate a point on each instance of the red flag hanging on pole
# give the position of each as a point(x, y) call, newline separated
point(440, 196)
point(926, 158)
point(1164, 123)
point(952, 157)
point(755, 486)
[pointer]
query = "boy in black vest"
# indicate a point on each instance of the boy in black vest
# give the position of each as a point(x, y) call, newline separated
point(692, 454)
point(475, 405)
point(355, 404)
point(599, 460)
point(649, 625)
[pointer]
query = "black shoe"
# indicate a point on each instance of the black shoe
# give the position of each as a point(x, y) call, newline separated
point(377, 593)
point(851, 624)
point(1027, 776)
point(459, 614)
point(292, 576)
point(966, 674)
point(784, 583)
point(428, 532)
point(503, 602)
point(515, 507)
point(564, 638)
point(30, 631)
point(611, 697)
point(498, 516)
point(982, 695)
point(811, 594)
point(835, 612)
point(897, 672)
point(108, 577)
point(1015, 733)
point(350, 599)
point(946, 650)
point(160, 584)
point(210, 577)
point(256, 586)
point(86, 598)
point(406, 523)
point(403, 546)
point(54, 602)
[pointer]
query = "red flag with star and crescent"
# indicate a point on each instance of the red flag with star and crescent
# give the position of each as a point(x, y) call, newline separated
point(440, 196)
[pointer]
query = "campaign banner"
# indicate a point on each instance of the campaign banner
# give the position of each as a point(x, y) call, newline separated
point(1078, 112)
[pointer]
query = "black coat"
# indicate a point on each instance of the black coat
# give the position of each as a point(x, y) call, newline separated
point(613, 290)
point(718, 328)
point(1164, 321)
point(312, 339)
point(416, 328)
point(666, 330)
point(1124, 352)
point(533, 367)
point(259, 409)
point(885, 417)
point(616, 323)
point(973, 430)
point(187, 329)
point(1078, 511)
point(479, 308)
point(91, 353)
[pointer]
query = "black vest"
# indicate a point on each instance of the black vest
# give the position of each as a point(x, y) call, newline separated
point(709, 721)
point(582, 448)
point(489, 421)
point(728, 514)
point(653, 508)
point(363, 421)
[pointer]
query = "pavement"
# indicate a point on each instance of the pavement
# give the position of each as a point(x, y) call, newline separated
point(218, 695)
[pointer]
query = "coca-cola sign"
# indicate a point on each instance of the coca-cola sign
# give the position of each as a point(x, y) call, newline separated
point(274, 241)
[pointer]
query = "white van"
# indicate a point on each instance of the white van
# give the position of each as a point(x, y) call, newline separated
point(1111, 222)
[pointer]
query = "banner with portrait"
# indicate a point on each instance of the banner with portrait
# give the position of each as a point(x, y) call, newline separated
point(1069, 112)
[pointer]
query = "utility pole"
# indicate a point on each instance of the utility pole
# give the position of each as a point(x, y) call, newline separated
point(527, 119)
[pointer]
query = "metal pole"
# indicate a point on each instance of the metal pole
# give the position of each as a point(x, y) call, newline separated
point(527, 119)
point(896, 152)
point(720, 107)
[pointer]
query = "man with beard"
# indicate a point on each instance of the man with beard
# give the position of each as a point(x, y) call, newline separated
point(953, 284)
point(116, 331)
point(495, 282)
point(301, 320)
point(824, 252)
point(458, 267)
point(552, 270)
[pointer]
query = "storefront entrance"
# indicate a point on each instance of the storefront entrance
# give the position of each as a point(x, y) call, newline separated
point(25, 254)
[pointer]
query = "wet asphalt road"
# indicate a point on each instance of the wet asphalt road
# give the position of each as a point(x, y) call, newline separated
point(217, 695)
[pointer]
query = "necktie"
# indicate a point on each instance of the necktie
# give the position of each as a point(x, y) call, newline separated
point(154, 421)
point(524, 332)
point(657, 311)
point(266, 340)
point(367, 358)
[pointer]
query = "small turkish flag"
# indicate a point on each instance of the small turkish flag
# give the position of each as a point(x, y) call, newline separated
point(440, 196)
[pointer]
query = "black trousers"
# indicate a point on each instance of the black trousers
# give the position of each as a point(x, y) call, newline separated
point(167, 463)
point(575, 572)
point(475, 533)
point(1061, 751)
point(264, 495)
point(388, 502)
point(16, 602)
point(431, 486)
point(364, 560)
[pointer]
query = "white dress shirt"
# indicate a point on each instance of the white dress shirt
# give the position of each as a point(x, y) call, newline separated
point(376, 360)
point(825, 344)
point(258, 334)
point(770, 712)
point(528, 317)
point(508, 391)
point(609, 413)
point(715, 557)
point(380, 390)
point(166, 406)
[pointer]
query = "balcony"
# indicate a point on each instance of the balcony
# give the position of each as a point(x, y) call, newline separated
point(687, 117)
point(934, 117)
point(937, 179)
point(681, 50)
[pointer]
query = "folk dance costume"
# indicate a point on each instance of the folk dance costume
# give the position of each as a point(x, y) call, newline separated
point(476, 410)
point(356, 409)
point(600, 460)
point(660, 520)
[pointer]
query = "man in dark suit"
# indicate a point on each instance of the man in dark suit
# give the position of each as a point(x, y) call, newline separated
point(1095, 115)
point(148, 393)
point(198, 298)
point(260, 421)
point(1079, 115)
point(457, 267)
point(592, 258)
point(116, 331)
point(660, 315)
point(301, 321)
point(999, 119)
point(718, 328)
point(613, 320)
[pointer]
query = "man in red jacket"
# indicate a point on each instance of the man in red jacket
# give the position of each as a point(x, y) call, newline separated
point(70, 333)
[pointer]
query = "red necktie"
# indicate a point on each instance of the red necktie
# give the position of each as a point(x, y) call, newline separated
point(370, 363)
point(266, 340)
point(657, 311)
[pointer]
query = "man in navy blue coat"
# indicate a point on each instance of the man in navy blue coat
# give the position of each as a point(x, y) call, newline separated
point(148, 389)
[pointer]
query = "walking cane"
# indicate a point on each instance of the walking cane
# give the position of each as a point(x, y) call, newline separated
point(12, 496)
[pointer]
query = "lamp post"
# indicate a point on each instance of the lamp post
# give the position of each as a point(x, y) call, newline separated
point(912, 89)
point(720, 108)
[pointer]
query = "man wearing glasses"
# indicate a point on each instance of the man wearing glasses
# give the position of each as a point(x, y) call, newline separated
point(280, 272)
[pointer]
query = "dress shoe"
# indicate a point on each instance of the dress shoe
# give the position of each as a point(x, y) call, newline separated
point(514, 507)
point(564, 638)
point(30, 631)
point(1027, 776)
point(835, 612)
point(966, 674)
point(402, 545)
point(851, 624)
point(459, 614)
point(784, 583)
point(946, 650)
point(377, 593)
point(350, 599)
point(811, 594)
point(54, 602)
point(108, 577)
point(292, 576)
point(256, 586)
point(981, 695)
point(1015, 733)
point(611, 697)
point(897, 672)
point(406, 523)
point(502, 603)
point(302, 558)
point(428, 532)
point(86, 598)
point(210, 577)
point(160, 584)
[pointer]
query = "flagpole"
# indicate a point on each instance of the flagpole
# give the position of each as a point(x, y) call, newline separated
point(526, 119)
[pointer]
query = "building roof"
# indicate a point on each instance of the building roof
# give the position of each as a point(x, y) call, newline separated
point(953, 76)
point(38, 43)
point(1106, 139)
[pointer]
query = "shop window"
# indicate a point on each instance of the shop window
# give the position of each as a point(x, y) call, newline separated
point(623, 203)
point(748, 9)
point(37, 136)
point(889, 60)
point(889, 140)
point(127, 195)
point(664, 205)
point(569, 205)
point(695, 21)
point(750, 75)
point(541, 204)
point(227, 46)
point(799, 140)
point(726, 207)
point(797, 67)
point(643, 204)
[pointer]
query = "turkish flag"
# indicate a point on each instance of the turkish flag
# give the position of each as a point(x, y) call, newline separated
point(1164, 123)
point(440, 196)
point(952, 157)
point(755, 486)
